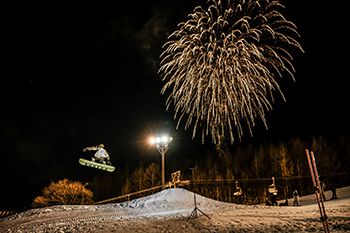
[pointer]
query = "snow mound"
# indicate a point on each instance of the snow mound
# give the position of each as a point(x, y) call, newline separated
point(169, 199)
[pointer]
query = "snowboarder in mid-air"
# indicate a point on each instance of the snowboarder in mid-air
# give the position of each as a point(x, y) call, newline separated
point(101, 154)
point(100, 160)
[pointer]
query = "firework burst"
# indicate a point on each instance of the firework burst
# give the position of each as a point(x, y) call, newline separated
point(220, 66)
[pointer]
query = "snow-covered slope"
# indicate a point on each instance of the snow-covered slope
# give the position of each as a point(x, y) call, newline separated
point(169, 211)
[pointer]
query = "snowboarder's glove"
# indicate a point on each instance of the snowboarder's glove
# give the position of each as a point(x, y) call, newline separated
point(84, 149)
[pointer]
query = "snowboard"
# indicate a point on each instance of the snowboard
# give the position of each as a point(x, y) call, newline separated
point(101, 166)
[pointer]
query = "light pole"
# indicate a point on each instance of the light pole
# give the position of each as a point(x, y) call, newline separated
point(162, 145)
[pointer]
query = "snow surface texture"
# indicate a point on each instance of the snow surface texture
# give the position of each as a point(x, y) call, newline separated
point(170, 211)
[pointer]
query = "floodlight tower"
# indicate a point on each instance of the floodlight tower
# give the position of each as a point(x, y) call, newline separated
point(162, 145)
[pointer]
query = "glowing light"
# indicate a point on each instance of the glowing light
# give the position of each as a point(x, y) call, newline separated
point(221, 66)
point(152, 140)
point(160, 140)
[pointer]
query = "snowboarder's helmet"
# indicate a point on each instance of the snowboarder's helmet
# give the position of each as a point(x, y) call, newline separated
point(101, 145)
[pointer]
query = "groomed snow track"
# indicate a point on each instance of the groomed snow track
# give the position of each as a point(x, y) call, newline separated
point(51, 225)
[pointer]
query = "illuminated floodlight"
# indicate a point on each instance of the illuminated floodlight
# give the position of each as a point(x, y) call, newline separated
point(162, 145)
point(152, 140)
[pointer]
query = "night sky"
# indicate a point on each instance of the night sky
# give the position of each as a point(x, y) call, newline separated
point(84, 73)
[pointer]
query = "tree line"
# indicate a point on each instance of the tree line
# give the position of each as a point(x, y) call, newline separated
point(215, 174)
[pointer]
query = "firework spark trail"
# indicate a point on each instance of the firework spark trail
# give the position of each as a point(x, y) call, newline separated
point(220, 66)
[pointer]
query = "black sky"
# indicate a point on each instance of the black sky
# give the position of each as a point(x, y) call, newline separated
point(85, 73)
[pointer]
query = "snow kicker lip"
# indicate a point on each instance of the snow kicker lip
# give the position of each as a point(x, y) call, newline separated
point(101, 166)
